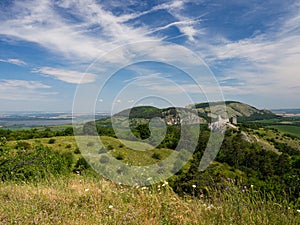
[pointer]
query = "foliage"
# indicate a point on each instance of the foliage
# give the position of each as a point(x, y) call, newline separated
point(34, 133)
point(51, 141)
point(34, 163)
point(246, 162)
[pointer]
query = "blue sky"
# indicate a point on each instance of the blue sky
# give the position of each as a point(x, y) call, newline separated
point(51, 48)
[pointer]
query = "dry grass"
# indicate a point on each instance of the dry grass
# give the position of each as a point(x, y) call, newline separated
point(81, 200)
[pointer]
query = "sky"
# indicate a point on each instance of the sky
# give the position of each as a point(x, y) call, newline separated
point(61, 55)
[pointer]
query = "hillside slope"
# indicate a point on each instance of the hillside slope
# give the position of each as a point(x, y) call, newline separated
point(206, 113)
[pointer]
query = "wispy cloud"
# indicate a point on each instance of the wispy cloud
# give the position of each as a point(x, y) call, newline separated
point(264, 64)
point(16, 90)
point(96, 33)
point(68, 76)
point(17, 62)
point(38, 22)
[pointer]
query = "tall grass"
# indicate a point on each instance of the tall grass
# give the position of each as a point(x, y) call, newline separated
point(86, 200)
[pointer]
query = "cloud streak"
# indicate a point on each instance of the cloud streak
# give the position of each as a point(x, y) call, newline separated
point(22, 90)
point(17, 62)
point(69, 76)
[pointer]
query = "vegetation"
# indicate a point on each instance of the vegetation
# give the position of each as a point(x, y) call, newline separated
point(293, 131)
point(86, 200)
point(254, 179)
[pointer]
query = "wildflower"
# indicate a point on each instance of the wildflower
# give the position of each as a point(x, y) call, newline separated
point(243, 190)
point(149, 178)
point(144, 188)
point(298, 210)
point(86, 190)
point(245, 187)
point(164, 184)
point(110, 206)
point(194, 186)
point(251, 185)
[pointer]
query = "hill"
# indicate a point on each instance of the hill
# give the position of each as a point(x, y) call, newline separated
point(172, 116)
point(243, 112)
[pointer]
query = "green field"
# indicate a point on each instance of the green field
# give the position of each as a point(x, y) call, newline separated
point(143, 156)
point(287, 129)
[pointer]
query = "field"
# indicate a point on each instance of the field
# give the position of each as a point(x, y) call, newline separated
point(288, 129)
point(86, 200)
point(144, 156)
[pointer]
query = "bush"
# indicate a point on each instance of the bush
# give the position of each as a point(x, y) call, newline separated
point(156, 155)
point(102, 151)
point(68, 146)
point(90, 144)
point(110, 147)
point(38, 163)
point(77, 151)
point(51, 141)
point(104, 159)
point(119, 156)
point(81, 165)
point(22, 145)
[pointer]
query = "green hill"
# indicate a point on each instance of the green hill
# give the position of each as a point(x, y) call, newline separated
point(206, 112)
point(242, 111)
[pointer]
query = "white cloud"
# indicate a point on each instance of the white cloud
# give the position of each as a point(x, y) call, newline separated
point(69, 76)
point(17, 62)
point(38, 22)
point(17, 90)
point(264, 65)
point(97, 34)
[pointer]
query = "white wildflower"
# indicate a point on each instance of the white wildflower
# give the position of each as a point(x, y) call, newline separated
point(164, 184)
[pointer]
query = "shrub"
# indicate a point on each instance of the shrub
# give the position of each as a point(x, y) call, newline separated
point(51, 141)
point(22, 145)
point(102, 151)
point(90, 144)
point(156, 155)
point(104, 159)
point(40, 163)
point(81, 165)
point(68, 146)
point(110, 147)
point(77, 151)
point(119, 156)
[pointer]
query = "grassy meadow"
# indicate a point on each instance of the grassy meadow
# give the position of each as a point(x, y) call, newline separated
point(86, 200)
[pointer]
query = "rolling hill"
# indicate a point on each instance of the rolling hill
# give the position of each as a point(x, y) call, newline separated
point(206, 113)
